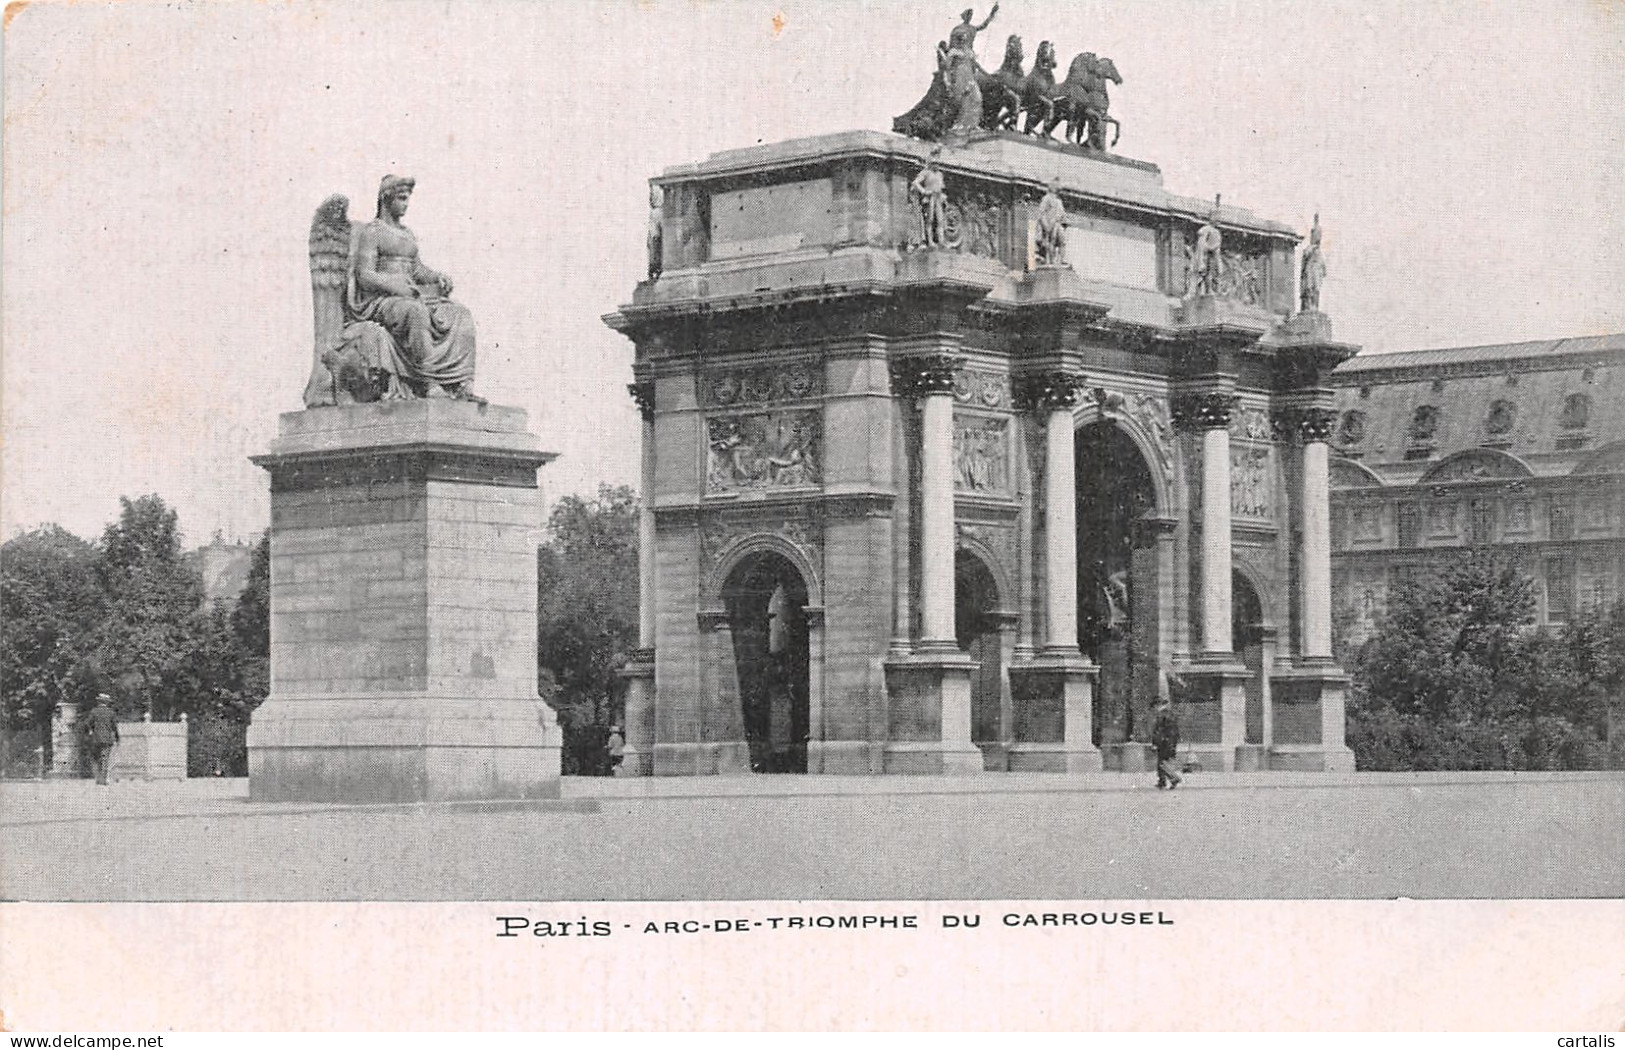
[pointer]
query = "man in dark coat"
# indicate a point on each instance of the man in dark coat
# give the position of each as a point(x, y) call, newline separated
point(1165, 737)
point(101, 727)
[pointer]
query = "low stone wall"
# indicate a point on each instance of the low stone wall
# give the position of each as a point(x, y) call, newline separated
point(150, 751)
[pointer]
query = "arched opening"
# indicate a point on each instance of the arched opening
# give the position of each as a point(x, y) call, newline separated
point(1114, 489)
point(1247, 635)
point(976, 628)
point(766, 599)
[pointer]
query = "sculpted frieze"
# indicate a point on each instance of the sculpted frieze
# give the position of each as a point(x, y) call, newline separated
point(764, 450)
point(979, 386)
point(1252, 424)
point(981, 455)
point(726, 388)
point(720, 534)
point(1249, 482)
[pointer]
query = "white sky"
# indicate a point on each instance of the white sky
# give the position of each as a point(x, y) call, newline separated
point(161, 165)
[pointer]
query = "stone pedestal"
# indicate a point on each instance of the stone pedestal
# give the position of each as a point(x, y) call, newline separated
point(403, 609)
point(66, 757)
point(639, 673)
point(1129, 757)
point(928, 717)
point(1308, 714)
point(1052, 699)
point(1212, 714)
point(149, 751)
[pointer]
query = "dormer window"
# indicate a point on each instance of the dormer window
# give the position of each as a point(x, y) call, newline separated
point(1576, 412)
point(1351, 428)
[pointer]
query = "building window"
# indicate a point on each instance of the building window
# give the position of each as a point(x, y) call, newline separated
point(1518, 516)
point(1481, 526)
point(1502, 416)
point(1559, 588)
point(1410, 520)
point(1576, 412)
point(1424, 424)
point(1596, 584)
point(1559, 520)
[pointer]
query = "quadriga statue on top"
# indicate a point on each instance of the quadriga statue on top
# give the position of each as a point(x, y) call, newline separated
point(386, 328)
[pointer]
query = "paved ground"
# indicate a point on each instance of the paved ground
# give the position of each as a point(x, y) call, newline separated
point(1017, 836)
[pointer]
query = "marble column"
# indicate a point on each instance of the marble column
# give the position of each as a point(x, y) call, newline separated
point(1053, 694)
point(1214, 714)
point(1210, 413)
point(928, 690)
point(1060, 528)
point(1315, 428)
point(639, 671)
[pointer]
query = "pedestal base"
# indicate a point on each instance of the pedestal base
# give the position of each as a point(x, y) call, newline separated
point(1307, 716)
point(393, 748)
point(1212, 713)
point(1130, 757)
point(1052, 701)
point(724, 758)
point(928, 714)
point(856, 758)
point(638, 719)
point(1252, 758)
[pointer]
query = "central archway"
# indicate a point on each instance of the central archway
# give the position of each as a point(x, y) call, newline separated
point(1114, 489)
point(766, 600)
point(977, 630)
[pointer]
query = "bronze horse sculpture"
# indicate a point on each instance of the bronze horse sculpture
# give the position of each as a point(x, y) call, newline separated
point(1001, 91)
point(1037, 90)
point(1082, 102)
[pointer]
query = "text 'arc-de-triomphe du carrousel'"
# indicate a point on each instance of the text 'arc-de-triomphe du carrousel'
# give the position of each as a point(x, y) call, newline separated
point(963, 445)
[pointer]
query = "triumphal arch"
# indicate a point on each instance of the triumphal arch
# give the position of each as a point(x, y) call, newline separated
point(961, 448)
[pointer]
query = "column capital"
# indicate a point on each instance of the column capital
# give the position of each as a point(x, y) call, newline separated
point(1051, 390)
point(1205, 411)
point(1306, 425)
point(921, 375)
point(644, 394)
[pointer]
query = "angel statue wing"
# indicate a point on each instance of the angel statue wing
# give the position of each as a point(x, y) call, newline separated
point(330, 231)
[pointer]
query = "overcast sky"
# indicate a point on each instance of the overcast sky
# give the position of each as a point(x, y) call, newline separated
point(161, 165)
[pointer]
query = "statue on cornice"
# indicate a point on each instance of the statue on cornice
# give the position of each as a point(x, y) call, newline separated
point(1050, 246)
point(1206, 262)
point(1313, 273)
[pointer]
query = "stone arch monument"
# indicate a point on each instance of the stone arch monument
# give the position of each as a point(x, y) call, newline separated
point(906, 420)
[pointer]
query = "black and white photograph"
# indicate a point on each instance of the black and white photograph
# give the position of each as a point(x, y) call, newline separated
point(1028, 486)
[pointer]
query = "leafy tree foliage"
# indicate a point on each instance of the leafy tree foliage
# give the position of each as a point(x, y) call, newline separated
point(126, 616)
point(587, 609)
point(51, 602)
point(1457, 677)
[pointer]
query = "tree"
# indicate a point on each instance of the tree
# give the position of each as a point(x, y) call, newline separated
point(51, 601)
point(155, 611)
point(587, 607)
point(1457, 677)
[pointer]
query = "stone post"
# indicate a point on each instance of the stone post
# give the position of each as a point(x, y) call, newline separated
point(1053, 695)
point(928, 710)
point(639, 672)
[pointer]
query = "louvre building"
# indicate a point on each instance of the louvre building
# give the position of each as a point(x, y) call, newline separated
point(1519, 447)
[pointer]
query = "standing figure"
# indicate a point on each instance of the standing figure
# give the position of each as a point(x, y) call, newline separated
point(959, 69)
point(1314, 271)
point(1206, 262)
point(928, 186)
point(656, 245)
point(1165, 738)
point(1051, 241)
point(101, 727)
point(616, 746)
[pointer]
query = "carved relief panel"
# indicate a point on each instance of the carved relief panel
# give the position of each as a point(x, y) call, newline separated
point(981, 454)
point(764, 450)
point(727, 388)
point(1250, 488)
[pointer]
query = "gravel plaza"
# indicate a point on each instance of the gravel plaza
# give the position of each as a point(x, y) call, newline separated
point(1034, 836)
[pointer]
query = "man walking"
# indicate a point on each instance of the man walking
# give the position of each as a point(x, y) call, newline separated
point(101, 726)
point(1165, 737)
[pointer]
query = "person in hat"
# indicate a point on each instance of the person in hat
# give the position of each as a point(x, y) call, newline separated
point(101, 727)
point(1165, 738)
point(617, 750)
